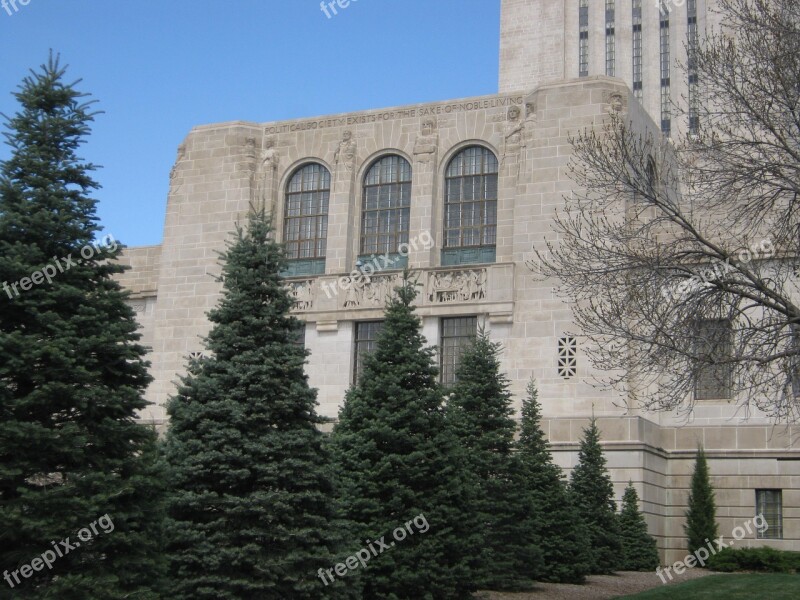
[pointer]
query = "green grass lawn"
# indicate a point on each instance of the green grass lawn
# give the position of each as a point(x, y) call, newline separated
point(729, 587)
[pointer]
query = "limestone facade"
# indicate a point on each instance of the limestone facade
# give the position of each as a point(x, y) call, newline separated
point(221, 169)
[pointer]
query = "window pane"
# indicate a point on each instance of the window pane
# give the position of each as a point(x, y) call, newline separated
point(713, 343)
point(457, 333)
point(769, 504)
point(306, 220)
point(471, 199)
point(366, 336)
point(299, 335)
point(387, 201)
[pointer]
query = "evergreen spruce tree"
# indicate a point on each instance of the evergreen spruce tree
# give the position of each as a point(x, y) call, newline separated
point(701, 516)
point(593, 495)
point(72, 373)
point(251, 512)
point(397, 459)
point(548, 518)
point(480, 413)
point(639, 551)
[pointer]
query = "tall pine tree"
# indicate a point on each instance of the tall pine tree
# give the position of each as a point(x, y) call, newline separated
point(251, 512)
point(593, 494)
point(72, 373)
point(398, 459)
point(548, 518)
point(639, 551)
point(701, 516)
point(480, 413)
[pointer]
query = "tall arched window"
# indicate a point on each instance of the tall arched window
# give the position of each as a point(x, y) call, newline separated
point(470, 208)
point(387, 201)
point(305, 229)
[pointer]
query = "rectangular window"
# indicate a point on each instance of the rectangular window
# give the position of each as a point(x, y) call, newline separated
point(694, 117)
point(769, 504)
point(714, 343)
point(365, 343)
point(666, 119)
point(611, 43)
point(299, 335)
point(637, 48)
point(457, 333)
point(583, 38)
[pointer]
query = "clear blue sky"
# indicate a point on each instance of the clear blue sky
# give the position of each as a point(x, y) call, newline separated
point(160, 68)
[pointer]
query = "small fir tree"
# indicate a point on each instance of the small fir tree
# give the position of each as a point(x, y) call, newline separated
point(398, 459)
point(701, 516)
point(593, 495)
point(548, 518)
point(639, 550)
point(251, 511)
point(479, 411)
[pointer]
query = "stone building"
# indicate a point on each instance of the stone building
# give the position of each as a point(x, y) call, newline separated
point(460, 191)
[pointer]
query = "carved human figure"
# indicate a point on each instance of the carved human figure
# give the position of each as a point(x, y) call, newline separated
point(264, 176)
point(473, 285)
point(530, 112)
point(269, 156)
point(346, 153)
point(303, 295)
point(480, 285)
point(430, 292)
point(529, 126)
point(427, 141)
point(616, 103)
point(512, 140)
point(514, 126)
point(354, 293)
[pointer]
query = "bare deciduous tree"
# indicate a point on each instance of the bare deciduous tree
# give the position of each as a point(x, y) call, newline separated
point(680, 257)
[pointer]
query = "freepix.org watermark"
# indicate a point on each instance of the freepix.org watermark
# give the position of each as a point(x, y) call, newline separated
point(60, 549)
point(329, 6)
point(373, 549)
point(702, 554)
point(363, 271)
point(59, 265)
point(716, 271)
point(13, 5)
point(665, 6)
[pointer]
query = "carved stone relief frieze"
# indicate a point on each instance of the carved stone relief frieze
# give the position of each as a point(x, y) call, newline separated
point(456, 286)
point(372, 292)
point(303, 294)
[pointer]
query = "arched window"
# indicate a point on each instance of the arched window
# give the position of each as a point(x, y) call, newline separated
point(305, 228)
point(470, 207)
point(387, 201)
